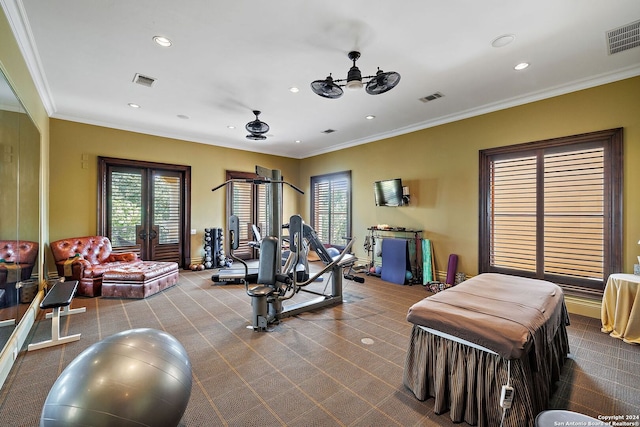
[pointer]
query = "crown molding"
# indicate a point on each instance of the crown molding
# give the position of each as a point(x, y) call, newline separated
point(17, 17)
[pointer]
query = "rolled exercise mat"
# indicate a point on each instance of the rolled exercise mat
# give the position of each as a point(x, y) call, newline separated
point(451, 269)
point(427, 262)
point(395, 260)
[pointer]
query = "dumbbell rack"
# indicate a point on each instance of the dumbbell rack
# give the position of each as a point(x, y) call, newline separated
point(214, 256)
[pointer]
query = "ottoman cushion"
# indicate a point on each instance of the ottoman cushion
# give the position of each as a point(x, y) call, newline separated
point(139, 280)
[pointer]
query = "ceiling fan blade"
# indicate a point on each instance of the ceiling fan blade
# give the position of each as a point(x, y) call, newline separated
point(256, 137)
point(382, 82)
point(326, 88)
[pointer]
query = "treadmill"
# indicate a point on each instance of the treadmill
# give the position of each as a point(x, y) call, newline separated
point(236, 276)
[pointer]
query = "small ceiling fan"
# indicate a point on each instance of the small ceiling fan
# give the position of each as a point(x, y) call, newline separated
point(380, 83)
point(257, 128)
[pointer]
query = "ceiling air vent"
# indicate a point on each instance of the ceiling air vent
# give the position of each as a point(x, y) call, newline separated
point(143, 80)
point(329, 131)
point(431, 97)
point(623, 38)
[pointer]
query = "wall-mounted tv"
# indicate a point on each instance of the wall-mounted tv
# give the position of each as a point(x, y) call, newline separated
point(388, 192)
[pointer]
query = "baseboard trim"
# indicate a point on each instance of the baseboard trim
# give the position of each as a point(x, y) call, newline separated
point(583, 306)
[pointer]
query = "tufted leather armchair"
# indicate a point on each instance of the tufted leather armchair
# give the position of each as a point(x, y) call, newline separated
point(85, 259)
point(17, 259)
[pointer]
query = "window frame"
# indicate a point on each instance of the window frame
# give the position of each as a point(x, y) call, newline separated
point(330, 177)
point(612, 142)
point(258, 212)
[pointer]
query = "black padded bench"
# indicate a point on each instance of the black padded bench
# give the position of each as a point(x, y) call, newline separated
point(58, 297)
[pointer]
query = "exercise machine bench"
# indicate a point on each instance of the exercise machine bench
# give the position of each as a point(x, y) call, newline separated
point(58, 297)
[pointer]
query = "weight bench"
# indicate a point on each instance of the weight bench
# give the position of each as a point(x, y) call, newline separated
point(58, 297)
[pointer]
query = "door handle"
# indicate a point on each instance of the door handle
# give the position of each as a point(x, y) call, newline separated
point(143, 234)
point(153, 234)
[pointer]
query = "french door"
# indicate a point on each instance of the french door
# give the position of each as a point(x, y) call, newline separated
point(144, 208)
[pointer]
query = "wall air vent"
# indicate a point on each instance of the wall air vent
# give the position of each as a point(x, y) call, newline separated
point(623, 38)
point(143, 80)
point(329, 131)
point(431, 97)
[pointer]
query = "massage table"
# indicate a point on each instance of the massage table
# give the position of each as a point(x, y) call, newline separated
point(470, 340)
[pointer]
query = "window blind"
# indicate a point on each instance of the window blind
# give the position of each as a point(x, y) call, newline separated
point(553, 209)
point(125, 203)
point(249, 203)
point(331, 207)
point(574, 213)
point(166, 208)
point(513, 213)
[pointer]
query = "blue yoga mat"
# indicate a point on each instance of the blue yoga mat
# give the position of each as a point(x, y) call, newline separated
point(395, 260)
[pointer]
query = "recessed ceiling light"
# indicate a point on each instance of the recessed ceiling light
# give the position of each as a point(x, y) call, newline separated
point(183, 116)
point(231, 127)
point(162, 41)
point(294, 89)
point(298, 141)
point(132, 105)
point(503, 40)
point(370, 117)
point(521, 66)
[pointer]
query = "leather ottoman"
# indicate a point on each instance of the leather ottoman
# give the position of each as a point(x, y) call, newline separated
point(140, 280)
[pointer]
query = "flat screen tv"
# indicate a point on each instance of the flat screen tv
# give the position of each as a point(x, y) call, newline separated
point(388, 192)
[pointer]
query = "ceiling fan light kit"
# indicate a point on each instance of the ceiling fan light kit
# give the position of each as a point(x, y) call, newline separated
point(257, 128)
point(380, 83)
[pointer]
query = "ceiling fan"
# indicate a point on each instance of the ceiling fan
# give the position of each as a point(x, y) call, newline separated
point(257, 128)
point(380, 83)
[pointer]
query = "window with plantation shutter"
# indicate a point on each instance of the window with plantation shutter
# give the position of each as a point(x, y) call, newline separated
point(248, 202)
point(331, 207)
point(552, 209)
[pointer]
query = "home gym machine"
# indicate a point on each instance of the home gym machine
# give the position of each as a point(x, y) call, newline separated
point(276, 282)
point(275, 286)
point(272, 179)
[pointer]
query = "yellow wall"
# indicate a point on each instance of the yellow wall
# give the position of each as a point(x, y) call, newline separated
point(15, 70)
point(74, 181)
point(440, 167)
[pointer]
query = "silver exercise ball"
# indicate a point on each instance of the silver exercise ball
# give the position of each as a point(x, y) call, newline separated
point(140, 377)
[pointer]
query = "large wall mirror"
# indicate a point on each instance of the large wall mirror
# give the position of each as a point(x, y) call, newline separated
point(19, 210)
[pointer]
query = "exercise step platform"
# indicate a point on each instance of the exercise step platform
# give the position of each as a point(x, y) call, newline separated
point(59, 297)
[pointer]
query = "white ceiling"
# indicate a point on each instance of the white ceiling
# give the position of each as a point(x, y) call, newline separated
point(231, 57)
